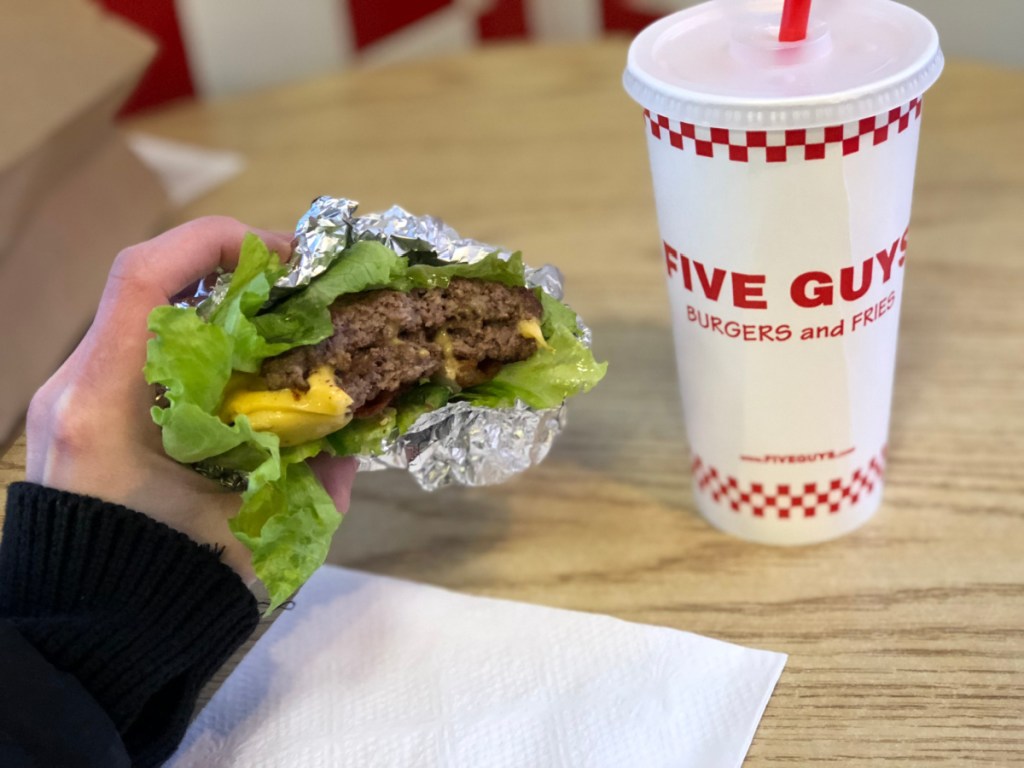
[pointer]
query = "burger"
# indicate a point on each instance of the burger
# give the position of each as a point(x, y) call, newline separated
point(385, 343)
point(252, 384)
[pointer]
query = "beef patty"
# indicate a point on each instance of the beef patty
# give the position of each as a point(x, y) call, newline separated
point(386, 341)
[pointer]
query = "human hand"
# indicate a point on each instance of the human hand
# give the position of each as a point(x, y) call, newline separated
point(89, 430)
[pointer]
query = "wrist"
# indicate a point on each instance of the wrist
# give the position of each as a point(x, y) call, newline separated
point(136, 611)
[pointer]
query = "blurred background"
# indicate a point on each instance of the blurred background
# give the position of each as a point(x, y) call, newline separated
point(211, 48)
point(81, 79)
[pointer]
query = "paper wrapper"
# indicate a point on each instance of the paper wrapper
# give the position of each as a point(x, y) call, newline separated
point(458, 443)
point(784, 253)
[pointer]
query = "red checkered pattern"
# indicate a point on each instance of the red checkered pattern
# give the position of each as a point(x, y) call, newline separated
point(788, 500)
point(781, 146)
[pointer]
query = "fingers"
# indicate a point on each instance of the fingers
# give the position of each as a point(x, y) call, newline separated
point(278, 242)
point(336, 474)
point(277, 236)
point(147, 275)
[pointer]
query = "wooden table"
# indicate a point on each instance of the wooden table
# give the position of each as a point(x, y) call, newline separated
point(906, 638)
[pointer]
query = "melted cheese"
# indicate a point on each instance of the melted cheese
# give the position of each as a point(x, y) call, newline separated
point(295, 417)
point(451, 365)
point(530, 329)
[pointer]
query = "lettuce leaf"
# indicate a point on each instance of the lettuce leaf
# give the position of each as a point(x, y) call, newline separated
point(424, 399)
point(288, 524)
point(258, 269)
point(566, 367)
point(287, 518)
point(304, 318)
point(437, 275)
point(364, 437)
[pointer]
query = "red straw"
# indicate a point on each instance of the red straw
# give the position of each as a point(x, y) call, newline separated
point(794, 20)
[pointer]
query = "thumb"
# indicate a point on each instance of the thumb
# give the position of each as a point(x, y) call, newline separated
point(337, 475)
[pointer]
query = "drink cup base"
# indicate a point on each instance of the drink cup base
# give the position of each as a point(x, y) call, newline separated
point(789, 532)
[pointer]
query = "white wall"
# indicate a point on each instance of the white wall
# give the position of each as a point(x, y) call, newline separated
point(235, 45)
point(979, 29)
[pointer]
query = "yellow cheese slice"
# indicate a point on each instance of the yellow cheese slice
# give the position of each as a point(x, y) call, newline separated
point(295, 417)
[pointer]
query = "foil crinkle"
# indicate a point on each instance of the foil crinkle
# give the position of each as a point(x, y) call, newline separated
point(458, 443)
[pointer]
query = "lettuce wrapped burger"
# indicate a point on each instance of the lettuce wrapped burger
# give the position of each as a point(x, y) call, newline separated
point(254, 384)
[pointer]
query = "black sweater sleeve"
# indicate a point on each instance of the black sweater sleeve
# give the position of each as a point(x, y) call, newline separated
point(138, 614)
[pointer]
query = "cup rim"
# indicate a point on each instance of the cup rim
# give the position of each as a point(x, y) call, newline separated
point(766, 113)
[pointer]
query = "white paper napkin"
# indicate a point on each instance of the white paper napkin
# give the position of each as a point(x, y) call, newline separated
point(368, 671)
point(185, 170)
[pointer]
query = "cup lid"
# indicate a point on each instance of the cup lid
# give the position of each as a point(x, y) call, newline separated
point(721, 64)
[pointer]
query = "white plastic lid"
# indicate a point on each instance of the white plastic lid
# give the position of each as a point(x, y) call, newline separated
point(721, 64)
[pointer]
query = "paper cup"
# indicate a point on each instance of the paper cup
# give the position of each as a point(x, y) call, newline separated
point(784, 233)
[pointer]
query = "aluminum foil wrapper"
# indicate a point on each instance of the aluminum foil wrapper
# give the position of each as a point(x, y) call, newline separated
point(469, 445)
point(459, 443)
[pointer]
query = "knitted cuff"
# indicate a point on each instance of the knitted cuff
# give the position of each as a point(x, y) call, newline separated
point(138, 612)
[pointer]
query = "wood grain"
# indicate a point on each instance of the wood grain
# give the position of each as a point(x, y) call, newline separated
point(905, 638)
